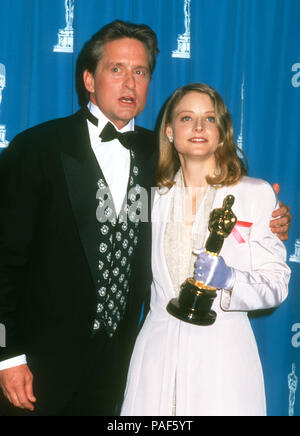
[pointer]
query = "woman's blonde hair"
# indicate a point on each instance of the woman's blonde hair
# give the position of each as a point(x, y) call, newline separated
point(231, 167)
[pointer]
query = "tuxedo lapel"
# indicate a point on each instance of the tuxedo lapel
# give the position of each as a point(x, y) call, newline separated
point(82, 173)
point(143, 149)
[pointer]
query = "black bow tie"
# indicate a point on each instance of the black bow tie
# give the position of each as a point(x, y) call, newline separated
point(109, 133)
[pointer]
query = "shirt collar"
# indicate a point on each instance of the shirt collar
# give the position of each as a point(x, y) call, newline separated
point(102, 119)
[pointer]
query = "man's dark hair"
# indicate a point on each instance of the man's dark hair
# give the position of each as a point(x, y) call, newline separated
point(93, 50)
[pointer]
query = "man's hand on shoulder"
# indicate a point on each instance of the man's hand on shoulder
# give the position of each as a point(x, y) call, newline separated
point(282, 218)
point(16, 384)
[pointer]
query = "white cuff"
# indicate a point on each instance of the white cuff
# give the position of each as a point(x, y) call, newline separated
point(14, 361)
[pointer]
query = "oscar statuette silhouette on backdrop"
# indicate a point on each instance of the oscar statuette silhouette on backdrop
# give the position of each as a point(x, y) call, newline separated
point(195, 298)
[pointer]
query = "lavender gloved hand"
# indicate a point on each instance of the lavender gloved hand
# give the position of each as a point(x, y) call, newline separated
point(213, 271)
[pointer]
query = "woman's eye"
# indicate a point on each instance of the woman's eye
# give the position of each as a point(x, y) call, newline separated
point(186, 118)
point(211, 119)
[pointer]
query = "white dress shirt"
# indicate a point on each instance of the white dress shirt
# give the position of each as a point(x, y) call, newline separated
point(114, 160)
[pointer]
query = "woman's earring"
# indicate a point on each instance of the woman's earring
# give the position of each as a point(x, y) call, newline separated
point(170, 138)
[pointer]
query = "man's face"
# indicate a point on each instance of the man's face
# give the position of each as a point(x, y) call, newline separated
point(120, 84)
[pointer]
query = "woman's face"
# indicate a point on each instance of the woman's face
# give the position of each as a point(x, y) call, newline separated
point(193, 127)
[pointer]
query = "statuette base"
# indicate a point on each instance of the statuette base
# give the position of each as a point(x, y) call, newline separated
point(194, 303)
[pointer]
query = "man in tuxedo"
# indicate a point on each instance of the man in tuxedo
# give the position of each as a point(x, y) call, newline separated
point(74, 252)
point(75, 257)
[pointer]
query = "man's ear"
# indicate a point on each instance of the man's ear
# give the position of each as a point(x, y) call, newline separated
point(89, 81)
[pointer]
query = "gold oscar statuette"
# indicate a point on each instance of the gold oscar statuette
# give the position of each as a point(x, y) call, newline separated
point(195, 298)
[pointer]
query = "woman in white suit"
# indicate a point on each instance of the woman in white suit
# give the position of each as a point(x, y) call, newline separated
point(179, 368)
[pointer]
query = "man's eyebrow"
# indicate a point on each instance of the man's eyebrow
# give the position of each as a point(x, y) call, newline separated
point(122, 64)
point(115, 63)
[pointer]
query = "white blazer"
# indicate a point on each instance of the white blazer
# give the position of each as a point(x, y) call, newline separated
point(214, 370)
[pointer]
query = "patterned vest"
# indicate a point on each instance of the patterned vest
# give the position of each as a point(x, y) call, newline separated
point(118, 238)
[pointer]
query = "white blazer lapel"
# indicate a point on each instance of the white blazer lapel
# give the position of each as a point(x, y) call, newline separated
point(160, 214)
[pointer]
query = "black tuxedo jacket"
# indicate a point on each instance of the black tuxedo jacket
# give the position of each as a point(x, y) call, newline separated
point(48, 249)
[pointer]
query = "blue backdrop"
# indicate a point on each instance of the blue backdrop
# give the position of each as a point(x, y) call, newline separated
point(249, 50)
